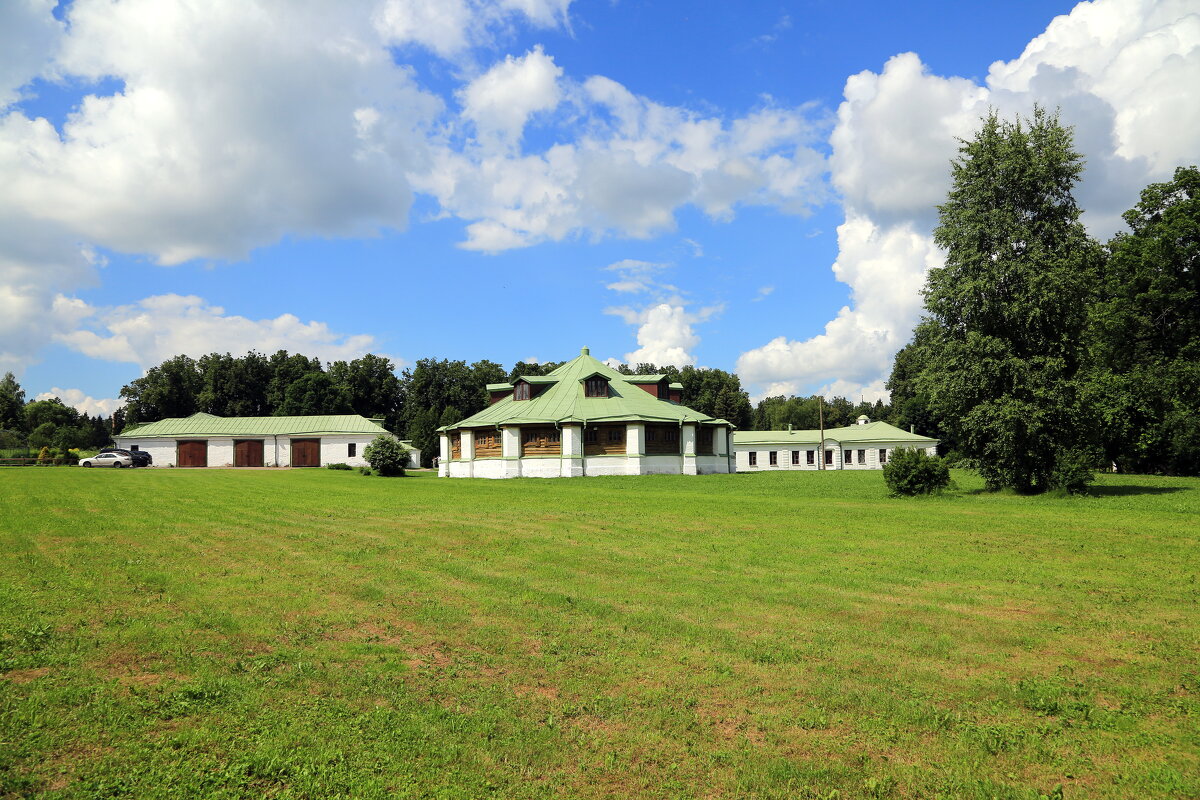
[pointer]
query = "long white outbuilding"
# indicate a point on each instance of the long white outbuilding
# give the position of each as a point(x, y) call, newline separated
point(865, 445)
point(206, 440)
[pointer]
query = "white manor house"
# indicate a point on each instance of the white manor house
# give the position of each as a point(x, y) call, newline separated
point(585, 418)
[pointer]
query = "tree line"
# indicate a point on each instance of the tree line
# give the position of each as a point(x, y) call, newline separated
point(1043, 354)
point(30, 426)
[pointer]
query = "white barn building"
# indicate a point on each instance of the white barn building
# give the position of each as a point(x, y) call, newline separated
point(206, 440)
point(865, 445)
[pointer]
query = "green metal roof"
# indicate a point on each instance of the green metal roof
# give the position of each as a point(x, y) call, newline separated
point(499, 387)
point(851, 434)
point(564, 401)
point(644, 378)
point(201, 424)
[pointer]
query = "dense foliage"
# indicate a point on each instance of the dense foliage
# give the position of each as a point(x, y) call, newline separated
point(29, 428)
point(1144, 334)
point(804, 413)
point(998, 350)
point(255, 385)
point(386, 456)
point(911, 471)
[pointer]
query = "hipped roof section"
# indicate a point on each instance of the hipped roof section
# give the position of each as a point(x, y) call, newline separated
point(563, 401)
point(202, 424)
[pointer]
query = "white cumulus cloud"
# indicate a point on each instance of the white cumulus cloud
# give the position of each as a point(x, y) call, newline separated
point(1120, 72)
point(159, 327)
point(83, 402)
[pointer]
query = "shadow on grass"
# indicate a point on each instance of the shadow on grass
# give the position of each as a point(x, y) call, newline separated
point(1128, 490)
point(1124, 490)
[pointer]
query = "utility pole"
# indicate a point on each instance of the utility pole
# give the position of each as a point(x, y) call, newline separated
point(821, 418)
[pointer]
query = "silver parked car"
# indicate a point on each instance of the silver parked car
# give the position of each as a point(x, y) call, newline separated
point(117, 460)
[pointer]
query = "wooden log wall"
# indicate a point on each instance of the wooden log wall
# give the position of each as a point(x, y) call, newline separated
point(488, 444)
point(662, 439)
point(541, 442)
point(604, 440)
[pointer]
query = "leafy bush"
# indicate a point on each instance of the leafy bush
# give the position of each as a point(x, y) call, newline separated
point(386, 456)
point(1074, 471)
point(338, 466)
point(910, 471)
point(365, 471)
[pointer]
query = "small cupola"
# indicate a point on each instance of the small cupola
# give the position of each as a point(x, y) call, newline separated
point(863, 419)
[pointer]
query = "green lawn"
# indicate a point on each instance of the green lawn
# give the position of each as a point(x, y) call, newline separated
point(312, 633)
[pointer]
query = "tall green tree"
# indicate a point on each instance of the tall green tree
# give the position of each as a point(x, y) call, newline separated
point(234, 387)
point(314, 394)
point(443, 393)
point(531, 368)
point(1005, 315)
point(909, 406)
point(287, 369)
point(168, 390)
point(12, 403)
point(372, 386)
point(1144, 333)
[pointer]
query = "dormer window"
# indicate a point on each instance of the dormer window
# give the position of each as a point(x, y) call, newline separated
point(521, 391)
point(595, 387)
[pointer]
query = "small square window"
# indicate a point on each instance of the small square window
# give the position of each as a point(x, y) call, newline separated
point(351, 450)
point(882, 456)
point(521, 391)
point(596, 387)
point(811, 457)
point(848, 456)
point(753, 459)
point(773, 458)
point(795, 457)
point(862, 456)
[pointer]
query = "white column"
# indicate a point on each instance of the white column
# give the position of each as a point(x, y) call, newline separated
point(635, 447)
point(687, 446)
point(510, 448)
point(468, 450)
point(572, 451)
point(444, 456)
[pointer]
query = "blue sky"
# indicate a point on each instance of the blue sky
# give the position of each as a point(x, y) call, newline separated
point(747, 186)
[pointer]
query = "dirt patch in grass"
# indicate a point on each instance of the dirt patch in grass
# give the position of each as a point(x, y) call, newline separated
point(22, 676)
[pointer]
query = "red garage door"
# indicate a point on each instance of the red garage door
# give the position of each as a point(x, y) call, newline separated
point(306, 452)
point(191, 453)
point(248, 453)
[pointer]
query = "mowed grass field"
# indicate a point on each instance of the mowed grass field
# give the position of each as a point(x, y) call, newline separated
point(320, 634)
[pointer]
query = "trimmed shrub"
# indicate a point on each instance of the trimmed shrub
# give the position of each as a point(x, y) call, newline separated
point(386, 456)
point(338, 466)
point(910, 471)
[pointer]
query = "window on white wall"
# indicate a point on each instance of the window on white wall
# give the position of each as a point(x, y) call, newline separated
point(351, 449)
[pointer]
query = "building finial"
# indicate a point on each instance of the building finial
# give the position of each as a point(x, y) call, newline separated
point(583, 351)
